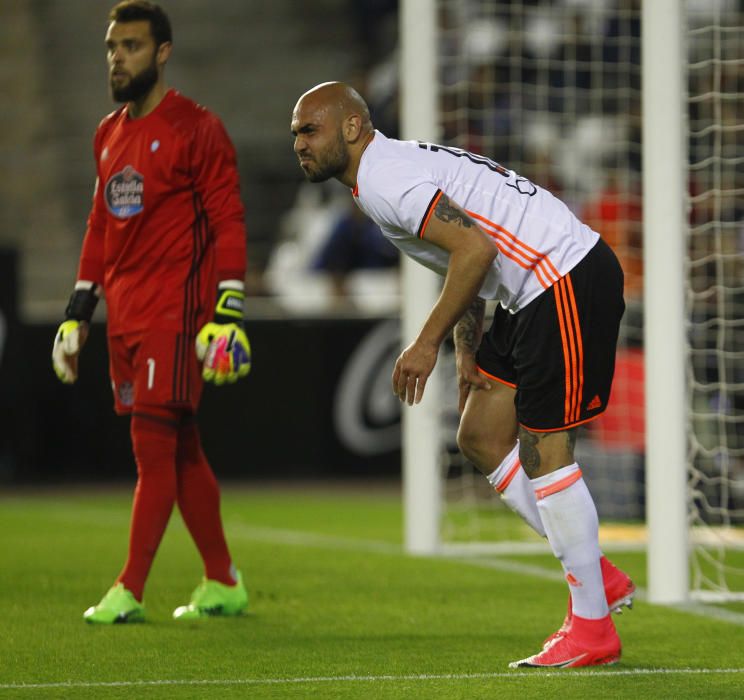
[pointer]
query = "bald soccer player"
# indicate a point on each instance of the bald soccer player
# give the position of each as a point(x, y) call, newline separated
point(545, 365)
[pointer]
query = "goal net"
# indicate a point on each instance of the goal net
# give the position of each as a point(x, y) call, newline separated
point(553, 91)
point(715, 297)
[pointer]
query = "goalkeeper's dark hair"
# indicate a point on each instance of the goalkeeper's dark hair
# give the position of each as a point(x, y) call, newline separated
point(144, 11)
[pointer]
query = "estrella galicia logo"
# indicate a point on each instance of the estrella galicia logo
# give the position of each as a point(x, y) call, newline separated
point(124, 193)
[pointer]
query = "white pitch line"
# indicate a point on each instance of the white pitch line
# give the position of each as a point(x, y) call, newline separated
point(306, 539)
point(302, 538)
point(557, 675)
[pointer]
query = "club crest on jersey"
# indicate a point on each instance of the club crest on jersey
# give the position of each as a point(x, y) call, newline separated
point(126, 393)
point(124, 193)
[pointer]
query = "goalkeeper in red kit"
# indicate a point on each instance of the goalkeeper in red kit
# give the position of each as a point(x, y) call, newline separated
point(165, 244)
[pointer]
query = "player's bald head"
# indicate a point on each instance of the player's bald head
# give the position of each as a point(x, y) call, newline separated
point(336, 101)
point(331, 128)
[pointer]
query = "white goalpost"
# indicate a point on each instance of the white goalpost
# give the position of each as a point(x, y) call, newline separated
point(421, 443)
point(631, 113)
point(665, 229)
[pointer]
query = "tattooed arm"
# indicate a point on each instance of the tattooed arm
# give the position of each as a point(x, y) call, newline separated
point(469, 328)
point(471, 253)
point(468, 333)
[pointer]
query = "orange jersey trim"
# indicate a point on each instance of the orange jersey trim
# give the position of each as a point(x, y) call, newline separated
point(558, 485)
point(519, 252)
point(429, 211)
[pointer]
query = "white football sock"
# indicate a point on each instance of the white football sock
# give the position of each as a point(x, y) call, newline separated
point(570, 519)
point(515, 489)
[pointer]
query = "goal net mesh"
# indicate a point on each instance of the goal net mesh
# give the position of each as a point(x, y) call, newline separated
point(715, 295)
point(553, 91)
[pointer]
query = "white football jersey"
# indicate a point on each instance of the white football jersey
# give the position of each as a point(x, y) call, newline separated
point(538, 237)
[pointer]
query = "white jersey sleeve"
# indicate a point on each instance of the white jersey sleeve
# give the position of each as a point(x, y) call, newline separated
point(538, 238)
point(400, 197)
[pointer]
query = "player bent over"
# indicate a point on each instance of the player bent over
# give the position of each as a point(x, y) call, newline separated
point(543, 368)
point(165, 242)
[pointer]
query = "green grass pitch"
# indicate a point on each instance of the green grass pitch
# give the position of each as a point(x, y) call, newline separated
point(337, 611)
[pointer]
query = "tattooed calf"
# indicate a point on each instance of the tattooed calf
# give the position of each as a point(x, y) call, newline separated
point(529, 454)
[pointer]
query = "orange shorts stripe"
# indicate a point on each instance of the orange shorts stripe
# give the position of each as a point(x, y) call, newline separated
point(565, 340)
point(563, 427)
point(496, 379)
point(573, 351)
point(579, 349)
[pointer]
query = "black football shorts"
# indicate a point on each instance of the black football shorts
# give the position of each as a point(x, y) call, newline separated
point(559, 351)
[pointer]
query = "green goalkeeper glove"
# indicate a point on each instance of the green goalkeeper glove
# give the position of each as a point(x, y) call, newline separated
point(222, 344)
point(73, 332)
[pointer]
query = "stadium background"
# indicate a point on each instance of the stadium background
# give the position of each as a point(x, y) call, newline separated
point(249, 65)
point(339, 607)
point(245, 65)
point(553, 90)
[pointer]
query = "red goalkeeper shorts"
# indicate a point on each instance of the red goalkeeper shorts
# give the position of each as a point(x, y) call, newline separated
point(154, 368)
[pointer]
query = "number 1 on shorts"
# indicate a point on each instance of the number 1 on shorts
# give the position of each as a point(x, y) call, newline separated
point(150, 372)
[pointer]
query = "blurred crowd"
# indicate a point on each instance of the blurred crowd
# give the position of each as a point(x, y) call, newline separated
point(553, 91)
point(549, 89)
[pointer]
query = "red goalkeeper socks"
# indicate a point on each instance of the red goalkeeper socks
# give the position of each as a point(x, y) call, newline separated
point(199, 503)
point(154, 437)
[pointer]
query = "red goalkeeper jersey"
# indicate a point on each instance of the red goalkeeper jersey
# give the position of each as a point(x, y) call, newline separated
point(167, 222)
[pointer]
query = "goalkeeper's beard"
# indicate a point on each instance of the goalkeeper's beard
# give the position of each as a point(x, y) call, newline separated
point(138, 86)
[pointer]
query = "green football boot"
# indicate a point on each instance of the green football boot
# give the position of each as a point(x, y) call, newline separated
point(118, 605)
point(212, 598)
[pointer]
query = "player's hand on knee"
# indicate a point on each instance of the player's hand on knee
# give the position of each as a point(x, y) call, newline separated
point(222, 344)
point(468, 377)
